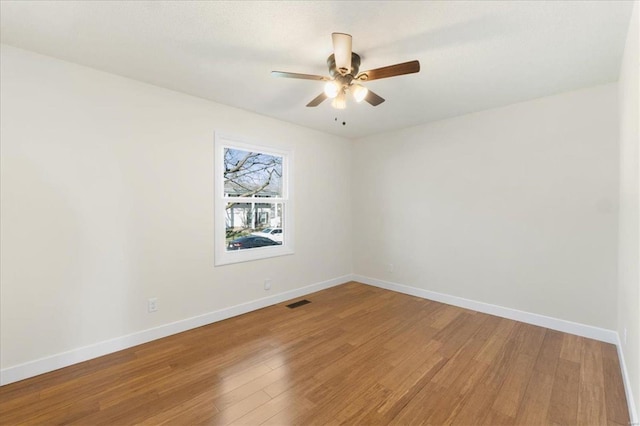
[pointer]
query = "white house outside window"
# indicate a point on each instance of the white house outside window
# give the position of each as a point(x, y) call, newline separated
point(252, 202)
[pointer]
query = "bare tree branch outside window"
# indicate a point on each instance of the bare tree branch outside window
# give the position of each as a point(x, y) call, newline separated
point(248, 174)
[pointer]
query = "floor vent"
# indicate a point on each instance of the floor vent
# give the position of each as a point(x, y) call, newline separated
point(298, 303)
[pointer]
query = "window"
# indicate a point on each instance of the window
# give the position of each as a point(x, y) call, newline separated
point(252, 212)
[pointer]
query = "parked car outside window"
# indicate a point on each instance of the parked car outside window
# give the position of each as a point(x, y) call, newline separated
point(274, 234)
point(251, 241)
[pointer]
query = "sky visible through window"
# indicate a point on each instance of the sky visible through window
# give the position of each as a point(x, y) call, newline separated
point(248, 174)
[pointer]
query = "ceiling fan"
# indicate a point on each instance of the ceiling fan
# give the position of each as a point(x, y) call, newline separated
point(344, 67)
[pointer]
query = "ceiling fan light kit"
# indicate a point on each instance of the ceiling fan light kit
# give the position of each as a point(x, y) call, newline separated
point(344, 67)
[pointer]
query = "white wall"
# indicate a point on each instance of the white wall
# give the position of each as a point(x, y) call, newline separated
point(629, 240)
point(515, 206)
point(107, 200)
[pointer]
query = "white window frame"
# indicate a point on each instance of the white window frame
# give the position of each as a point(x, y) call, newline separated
point(221, 255)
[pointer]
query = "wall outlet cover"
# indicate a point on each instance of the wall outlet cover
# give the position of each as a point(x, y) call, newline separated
point(152, 304)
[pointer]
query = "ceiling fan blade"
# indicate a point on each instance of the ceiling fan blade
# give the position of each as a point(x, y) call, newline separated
point(317, 100)
point(373, 99)
point(390, 71)
point(297, 75)
point(342, 52)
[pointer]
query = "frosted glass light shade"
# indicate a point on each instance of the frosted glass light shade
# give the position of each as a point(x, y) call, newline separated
point(331, 89)
point(339, 102)
point(359, 92)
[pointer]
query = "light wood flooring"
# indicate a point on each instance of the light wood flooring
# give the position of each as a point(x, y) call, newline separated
point(355, 355)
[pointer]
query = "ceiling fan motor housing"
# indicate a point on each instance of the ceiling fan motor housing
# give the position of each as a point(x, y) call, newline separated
point(335, 72)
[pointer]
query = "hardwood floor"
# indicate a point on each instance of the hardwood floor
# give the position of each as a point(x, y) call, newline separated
point(355, 355)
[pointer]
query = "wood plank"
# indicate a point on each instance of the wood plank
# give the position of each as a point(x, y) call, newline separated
point(496, 418)
point(510, 395)
point(571, 348)
point(288, 415)
point(457, 333)
point(240, 408)
point(534, 407)
point(396, 378)
point(443, 317)
point(616, 399)
point(549, 353)
point(496, 342)
point(367, 402)
point(234, 395)
point(405, 389)
point(563, 407)
point(201, 406)
point(478, 404)
point(457, 392)
point(592, 407)
point(291, 400)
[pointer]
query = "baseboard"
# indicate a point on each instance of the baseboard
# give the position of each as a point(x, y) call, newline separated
point(601, 334)
point(631, 403)
point(65, 359)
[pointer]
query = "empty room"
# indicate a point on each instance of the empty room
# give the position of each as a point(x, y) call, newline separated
point(305, 212)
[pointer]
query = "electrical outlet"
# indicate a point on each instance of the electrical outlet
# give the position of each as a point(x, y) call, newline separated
point(267, 284)
point(390, 267)
point(152, 304)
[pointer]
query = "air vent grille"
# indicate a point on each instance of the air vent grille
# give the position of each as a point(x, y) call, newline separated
point(298, 303)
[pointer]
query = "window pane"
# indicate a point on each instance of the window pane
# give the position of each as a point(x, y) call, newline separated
point(252, 174)
point(252, 196)
point(253, 225)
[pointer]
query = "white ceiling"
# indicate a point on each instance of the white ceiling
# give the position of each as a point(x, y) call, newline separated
point(474, 55)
